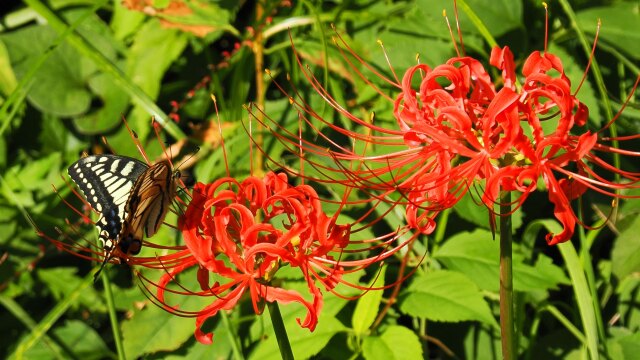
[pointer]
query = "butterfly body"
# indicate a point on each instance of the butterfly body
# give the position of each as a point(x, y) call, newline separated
point(132, 198)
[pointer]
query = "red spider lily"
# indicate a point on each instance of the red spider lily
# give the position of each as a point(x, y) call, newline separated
point(459, 129)
point(241, 233)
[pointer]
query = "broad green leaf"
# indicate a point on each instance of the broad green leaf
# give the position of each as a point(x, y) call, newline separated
point(60, 85)
point(403, 47)
point(154, 49)
point(63, 280)
point(618, 20)
point(628, 346)
point(628, 210)
point(125, 299)
point(629, 297)
point(28, 179)
point(153, 329)
point(395, 342)
point(79, 337)
point(35, 174)
point(499, 16)
point(625, 255)
point(368, 305)
point(107, 117)
point(477, 255)
point(125, 22)
point(220, 349)
point(446, 296)
point(531, 232)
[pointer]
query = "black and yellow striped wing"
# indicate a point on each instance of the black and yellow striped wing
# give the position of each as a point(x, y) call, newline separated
point(106, 182)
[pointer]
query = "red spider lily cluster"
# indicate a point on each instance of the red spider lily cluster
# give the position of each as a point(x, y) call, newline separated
point(459, 130)
point(239, 234)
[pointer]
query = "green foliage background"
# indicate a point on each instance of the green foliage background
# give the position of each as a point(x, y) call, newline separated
point(70, 69)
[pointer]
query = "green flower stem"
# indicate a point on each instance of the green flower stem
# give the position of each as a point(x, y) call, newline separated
point(113, 318)
point(280, 331)
point(507, 329)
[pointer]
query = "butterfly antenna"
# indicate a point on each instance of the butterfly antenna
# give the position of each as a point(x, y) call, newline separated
point(134, 136)
point(188, 157)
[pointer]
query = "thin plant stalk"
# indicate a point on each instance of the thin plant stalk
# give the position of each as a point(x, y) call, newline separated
point(280, 331)
point(234, 340)
point(507, 329)
point(113, 317)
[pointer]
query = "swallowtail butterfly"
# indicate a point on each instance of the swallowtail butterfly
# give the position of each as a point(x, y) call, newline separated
point(131, 197)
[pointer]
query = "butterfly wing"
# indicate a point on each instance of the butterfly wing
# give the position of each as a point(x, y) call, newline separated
point(106, 182)
point(147, 206)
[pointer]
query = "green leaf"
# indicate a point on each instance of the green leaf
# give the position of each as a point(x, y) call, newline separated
point(530, 234)
point(396, 342)
point(39, 331)
point(60, 85)
point(8, 81)
point(617, 21)
point(154, 49)
point(402, 47)
point(153, 329)
point(105, 63)
point(125, 22)
point(499, 16)
point(205, 14)
point(35, 174)
point(63, 280)
point(107, 117)
point(583, 296)
point(629, 298)
point(477, 255)
point(220, 349)
point(77, 336)
point(126, 298)
point(625, 255)
point(367, 306)
point(446, 296)
point(629, 345)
